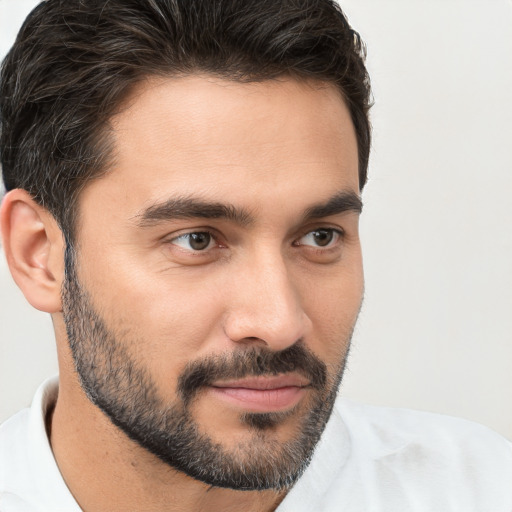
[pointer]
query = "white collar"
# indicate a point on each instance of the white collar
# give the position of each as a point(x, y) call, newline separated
point(34, 476)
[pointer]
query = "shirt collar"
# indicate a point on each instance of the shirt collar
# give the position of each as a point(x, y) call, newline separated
point(329, 459)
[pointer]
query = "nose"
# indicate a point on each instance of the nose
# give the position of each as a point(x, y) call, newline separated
point(266, 306)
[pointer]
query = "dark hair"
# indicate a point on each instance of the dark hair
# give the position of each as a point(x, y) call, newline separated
point(74, 61)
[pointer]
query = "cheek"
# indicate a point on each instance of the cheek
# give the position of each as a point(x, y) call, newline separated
point(333, 306)
point(162, 320)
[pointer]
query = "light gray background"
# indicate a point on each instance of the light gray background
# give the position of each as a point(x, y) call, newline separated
point(435, 332)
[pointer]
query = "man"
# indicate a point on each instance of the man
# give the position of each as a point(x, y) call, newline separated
point(184, 184)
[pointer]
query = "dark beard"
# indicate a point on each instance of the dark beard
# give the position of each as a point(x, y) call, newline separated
point(127, 394)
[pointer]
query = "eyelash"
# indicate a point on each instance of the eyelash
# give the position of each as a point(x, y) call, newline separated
point(212, 236)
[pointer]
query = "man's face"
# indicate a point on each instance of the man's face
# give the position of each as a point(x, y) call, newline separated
point(218, 275)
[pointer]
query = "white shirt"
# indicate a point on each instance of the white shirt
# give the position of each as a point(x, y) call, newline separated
point(370, 459)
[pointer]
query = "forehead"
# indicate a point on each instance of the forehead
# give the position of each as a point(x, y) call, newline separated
point(214, 138)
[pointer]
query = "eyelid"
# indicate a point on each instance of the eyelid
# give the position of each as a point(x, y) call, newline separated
point(188, 231)
point(340, 232)
point(217, 238)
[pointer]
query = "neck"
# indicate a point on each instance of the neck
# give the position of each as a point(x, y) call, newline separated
point(105, 470)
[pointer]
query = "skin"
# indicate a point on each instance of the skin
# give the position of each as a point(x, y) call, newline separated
point(274, 149)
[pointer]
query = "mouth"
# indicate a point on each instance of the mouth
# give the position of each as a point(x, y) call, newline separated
point(262, 394)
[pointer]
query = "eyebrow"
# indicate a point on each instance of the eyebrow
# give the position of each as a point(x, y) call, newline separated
point(345, 201)
point(189, 208)
point(194, 208)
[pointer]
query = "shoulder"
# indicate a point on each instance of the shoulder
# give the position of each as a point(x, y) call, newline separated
point(383, 459)
point(29, 477)
point(390, 429)
point(435, 458)
point(11, 431)
point(14, 460)
point(13, 434)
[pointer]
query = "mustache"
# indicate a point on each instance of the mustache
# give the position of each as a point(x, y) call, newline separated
point(250, 363)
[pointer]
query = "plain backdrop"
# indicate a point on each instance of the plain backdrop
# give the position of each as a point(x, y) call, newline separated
point(435, 332)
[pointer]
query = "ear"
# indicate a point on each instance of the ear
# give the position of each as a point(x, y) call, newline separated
point(34, 248)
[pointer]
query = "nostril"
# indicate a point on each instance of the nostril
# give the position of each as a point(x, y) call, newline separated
point(251, 340)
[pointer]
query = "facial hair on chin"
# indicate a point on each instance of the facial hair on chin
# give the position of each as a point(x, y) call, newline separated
point(125, 391)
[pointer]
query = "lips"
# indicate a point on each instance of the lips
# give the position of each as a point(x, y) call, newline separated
point(262, 393)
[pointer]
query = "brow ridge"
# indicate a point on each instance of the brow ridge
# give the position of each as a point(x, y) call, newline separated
point(344, 201)
point(190, 207)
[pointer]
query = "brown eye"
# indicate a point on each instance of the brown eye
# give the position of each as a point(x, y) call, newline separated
point(198, 241)
point(324, 237)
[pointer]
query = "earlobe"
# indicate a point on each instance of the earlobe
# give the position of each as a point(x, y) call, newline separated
point(34, 249)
